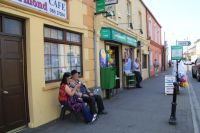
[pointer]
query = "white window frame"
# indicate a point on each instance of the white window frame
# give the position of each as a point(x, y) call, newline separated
point(150, 27)
point(155, 33)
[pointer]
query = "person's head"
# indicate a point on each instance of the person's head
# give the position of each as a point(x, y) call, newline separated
point(66, 78)
point(74, 74)
point(136, 60)
point(155, 59)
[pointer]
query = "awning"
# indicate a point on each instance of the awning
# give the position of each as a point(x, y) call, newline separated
point(111, 34)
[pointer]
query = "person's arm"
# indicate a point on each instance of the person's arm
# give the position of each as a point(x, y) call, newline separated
point(71, 92)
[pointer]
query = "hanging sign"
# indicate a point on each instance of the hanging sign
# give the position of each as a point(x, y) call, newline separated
point(57, 8)
point(177, 52)
point(110, 2)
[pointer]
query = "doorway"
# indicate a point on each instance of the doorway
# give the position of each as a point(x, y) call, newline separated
point(13, 109)
point(115, 64)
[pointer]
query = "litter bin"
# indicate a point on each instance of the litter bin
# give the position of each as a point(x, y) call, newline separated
point(108, 77)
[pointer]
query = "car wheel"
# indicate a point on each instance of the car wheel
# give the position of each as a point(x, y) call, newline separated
point(193, 75)
point(198, 76)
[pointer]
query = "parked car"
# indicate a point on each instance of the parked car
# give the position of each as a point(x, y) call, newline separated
point(196, 69)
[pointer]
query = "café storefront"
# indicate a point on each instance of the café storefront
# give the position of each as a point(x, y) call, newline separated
point(39, 40)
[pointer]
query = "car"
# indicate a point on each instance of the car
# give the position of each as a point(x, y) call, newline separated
point(196, 69)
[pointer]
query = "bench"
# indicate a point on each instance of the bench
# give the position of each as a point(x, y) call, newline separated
point(71, 113)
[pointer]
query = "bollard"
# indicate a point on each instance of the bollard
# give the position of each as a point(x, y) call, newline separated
point(172, 120)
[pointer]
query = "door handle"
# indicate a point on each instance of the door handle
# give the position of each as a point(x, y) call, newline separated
point(5, 92)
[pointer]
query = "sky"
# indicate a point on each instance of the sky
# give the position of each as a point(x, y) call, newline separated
point(180, 19)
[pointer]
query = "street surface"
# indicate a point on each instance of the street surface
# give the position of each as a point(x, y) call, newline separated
point(145, 110)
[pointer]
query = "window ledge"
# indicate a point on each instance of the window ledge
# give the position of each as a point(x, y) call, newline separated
point(51, 86)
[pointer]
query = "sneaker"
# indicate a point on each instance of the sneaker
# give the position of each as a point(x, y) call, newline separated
point(94, 118)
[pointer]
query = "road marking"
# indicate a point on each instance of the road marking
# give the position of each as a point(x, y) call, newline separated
point(195, 107)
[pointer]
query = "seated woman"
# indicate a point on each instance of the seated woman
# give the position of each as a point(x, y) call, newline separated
point(68, 97)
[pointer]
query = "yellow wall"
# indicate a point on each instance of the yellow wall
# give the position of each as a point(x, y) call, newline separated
point(42, 98)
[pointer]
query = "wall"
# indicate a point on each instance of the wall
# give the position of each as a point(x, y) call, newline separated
point(42, 98)
point(158, 27)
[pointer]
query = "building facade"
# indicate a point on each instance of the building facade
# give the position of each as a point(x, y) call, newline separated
point(156, 49)
point(40, 40)
point(123, 33)
point(194, 51)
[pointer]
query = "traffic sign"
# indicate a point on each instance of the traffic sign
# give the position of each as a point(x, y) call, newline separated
point(184, 43)
point(177, 52)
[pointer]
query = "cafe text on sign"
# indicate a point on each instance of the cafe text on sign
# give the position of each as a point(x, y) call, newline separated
point(57, 8)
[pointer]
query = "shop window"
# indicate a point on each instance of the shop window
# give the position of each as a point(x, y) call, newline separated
point(12, 26)
point(144, 61)
point(61, 56)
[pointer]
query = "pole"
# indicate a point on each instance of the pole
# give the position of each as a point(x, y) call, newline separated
point(172, 120)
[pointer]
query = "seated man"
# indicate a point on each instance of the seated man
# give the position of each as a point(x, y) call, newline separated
point(88, 96)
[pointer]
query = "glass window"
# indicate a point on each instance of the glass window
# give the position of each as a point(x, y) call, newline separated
point(155, 33)
point(53, 33)
point(60, 58)
point(12, 26)
point(150, 28)
point(72, 37)
point(144, 61)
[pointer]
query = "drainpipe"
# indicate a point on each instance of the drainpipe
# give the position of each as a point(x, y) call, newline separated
point(95, 53)
point(95, 59)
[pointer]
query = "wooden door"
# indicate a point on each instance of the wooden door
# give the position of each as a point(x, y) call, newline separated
point(12, 87)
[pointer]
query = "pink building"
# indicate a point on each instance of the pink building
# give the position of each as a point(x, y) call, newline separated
point(156, 49)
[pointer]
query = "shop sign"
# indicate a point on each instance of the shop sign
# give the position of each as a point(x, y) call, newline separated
point(57, 8)
point(118, 37)
point(177, 52)
point(103, 5)
point(100, 6)
point(111, 34)
point(131, 41)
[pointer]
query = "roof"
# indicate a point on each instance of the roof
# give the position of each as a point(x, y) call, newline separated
point(150, 13)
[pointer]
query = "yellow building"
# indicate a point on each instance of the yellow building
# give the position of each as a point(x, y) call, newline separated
point(40, 40)
point(123, 31)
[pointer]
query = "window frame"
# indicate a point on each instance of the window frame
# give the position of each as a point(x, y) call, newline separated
point(64, 42)
point(150, 28)
point(144, 66)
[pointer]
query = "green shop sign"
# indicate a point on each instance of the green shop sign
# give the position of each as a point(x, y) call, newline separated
point(111, 34)
point(100, 6)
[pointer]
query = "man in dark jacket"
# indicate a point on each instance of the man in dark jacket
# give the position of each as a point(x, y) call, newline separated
point(88, 96)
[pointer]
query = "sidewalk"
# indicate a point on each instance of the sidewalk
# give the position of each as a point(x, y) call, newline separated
point(145, 110)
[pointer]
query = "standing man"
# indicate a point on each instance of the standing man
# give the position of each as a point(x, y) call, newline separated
point(156, 67)
point(136, 70)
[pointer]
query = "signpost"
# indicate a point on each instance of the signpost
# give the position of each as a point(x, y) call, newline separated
point(184, 43)
point(177, 54)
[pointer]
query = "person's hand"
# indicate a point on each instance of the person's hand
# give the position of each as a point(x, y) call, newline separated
point(85, 95)
point(78, 86)
point(91, 94)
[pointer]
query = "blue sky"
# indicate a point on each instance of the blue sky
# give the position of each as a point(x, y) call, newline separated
point(180, 19)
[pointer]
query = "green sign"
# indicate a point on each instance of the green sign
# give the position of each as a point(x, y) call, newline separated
point(111, 34)
point(177, 52)
point(100, 6)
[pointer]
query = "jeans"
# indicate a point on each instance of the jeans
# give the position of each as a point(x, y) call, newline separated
point(92, 101)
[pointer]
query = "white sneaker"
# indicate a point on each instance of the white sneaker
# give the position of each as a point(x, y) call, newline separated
point(94, 118)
